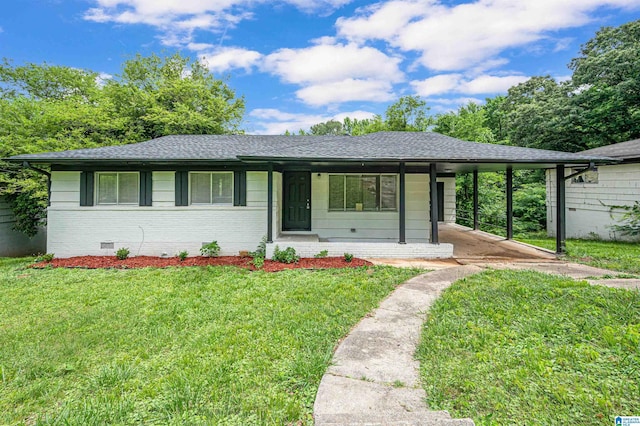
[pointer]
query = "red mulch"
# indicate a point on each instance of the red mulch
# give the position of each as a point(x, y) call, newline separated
point(96, 262)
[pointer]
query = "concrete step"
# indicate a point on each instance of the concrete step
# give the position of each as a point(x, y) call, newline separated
point(431, 418)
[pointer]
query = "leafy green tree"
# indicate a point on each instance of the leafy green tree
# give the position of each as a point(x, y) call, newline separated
point(54, 108)
point(539, 113)
point(468, 123)
point(331, 127)
point(408, 114)
point(173, 95)
point(355, 127)
point(45, 81)
point(495, 118)
point(606, 77)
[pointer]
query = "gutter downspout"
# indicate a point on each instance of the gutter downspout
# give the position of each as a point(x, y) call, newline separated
point(592, 166)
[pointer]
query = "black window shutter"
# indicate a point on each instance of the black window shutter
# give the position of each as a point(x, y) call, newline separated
point(146, 188)
point(86, 188)
point(182, 188)
point(240, 188)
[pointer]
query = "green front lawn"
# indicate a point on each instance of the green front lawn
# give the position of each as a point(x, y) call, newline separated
point(614, 255)
point(174, 346)
point(515, 348)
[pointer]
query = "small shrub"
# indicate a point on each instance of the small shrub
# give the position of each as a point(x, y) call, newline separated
point(183, 255)
point(287, 255)
point(210, 250)
point(322, 254)
point(122, 253)
point(48, 257)
point(348, 257)
point(258, 262)
point(261, 250)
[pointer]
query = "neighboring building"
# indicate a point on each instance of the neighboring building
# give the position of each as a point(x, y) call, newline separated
point(14, 243)
point(371, 195)
point(590, 196)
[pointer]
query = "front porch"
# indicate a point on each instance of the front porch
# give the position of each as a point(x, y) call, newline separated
point(457, 242)
point(308, 245)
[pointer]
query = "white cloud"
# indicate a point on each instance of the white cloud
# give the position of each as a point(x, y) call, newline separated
point(226, 58)
point(490, 84)
point(199, 46)
point(269, 121)
point(437, 85)
point(178, 19)
point(346, 91)
point(336, 73)
point(457, 83)
point(332, 62)
point(102, 78)
point(446, 105)
point(454, 37)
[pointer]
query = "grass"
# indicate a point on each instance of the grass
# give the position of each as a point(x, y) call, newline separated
point(614, 255)
point(506, 347)
point(174, 346)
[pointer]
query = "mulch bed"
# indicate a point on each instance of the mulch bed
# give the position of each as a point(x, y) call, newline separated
point(104, 262)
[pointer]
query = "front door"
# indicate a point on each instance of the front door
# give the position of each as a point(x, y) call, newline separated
point(296, 196)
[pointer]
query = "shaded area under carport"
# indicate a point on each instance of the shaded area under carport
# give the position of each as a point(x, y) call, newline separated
point(471, 246)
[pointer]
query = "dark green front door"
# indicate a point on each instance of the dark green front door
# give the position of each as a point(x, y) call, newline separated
point(296, 201)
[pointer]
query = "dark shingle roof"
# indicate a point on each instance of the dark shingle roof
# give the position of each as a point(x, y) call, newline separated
point(406, 146)
point(623, 150)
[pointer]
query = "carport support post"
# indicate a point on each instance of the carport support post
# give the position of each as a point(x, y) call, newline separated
point(270, 203)
point(433, 193)
point(402, 211)
point(475, 201)
point(509, 203)
point(561, 219)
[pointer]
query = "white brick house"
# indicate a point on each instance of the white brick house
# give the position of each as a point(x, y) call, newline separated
point(589, 196)
point(373, 195)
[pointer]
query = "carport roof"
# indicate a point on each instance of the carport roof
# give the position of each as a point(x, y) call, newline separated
point(379, 148)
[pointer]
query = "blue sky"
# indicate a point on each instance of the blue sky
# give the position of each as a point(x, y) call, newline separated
point(300, 62)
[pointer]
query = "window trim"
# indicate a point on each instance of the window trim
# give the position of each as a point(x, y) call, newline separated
point(579, 180)
point(211, 173)
point(379, 208)
point(117, 203)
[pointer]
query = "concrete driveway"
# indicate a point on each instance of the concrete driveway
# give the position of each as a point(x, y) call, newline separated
point(477, 245)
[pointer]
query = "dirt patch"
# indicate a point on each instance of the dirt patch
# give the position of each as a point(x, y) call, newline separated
point(104, 262)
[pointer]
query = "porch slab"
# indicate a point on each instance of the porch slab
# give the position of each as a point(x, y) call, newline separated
point(367, 249)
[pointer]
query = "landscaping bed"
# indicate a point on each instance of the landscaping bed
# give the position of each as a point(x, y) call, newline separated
point(100, 262)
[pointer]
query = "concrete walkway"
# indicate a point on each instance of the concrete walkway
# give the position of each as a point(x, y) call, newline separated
point(374, 377)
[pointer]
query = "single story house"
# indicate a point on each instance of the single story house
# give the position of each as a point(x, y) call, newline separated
point(376, 195)
point(590, 195)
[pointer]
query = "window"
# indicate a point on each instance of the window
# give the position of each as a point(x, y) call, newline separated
point(590, 176)
point(211, 187)
point(362, 192)
point(117, 188)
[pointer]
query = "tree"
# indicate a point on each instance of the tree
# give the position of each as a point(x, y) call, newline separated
point(331, 127)
point(173, 95)
point(55, 108)
point(468, 123)
point(408, 114)
point(540, 113)
point(606, 76)
point(495, 118)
